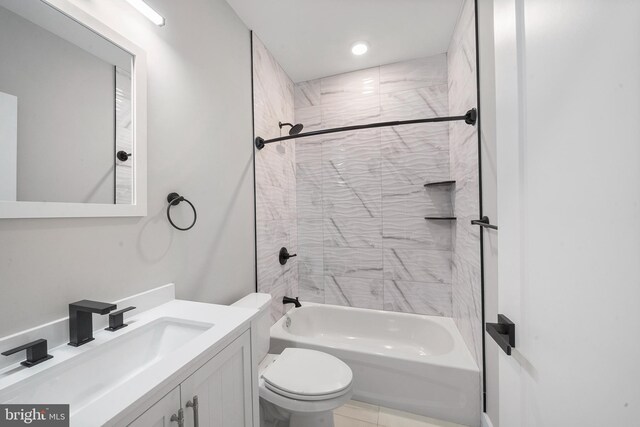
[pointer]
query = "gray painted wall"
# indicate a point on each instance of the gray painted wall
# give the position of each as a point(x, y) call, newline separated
point(200, 145)
point(65, 114)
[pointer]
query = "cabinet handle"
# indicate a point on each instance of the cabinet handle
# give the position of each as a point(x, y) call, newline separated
point(178, 418)
point(194, 405)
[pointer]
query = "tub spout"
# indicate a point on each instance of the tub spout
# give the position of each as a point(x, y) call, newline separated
point(287, 300)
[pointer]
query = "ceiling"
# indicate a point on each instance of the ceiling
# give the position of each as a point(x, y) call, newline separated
point(313, 38)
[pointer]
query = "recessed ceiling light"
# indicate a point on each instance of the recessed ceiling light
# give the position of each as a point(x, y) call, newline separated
point(359, 48)
point(147, 11)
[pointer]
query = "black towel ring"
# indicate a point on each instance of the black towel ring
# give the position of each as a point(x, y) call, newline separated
point(174, 199)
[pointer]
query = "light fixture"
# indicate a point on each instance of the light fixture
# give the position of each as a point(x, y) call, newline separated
point(147, 11)
point(359, 48)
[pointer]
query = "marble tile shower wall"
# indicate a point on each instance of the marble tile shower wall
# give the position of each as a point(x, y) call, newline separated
point(361, 201)
point(124, 137)
point(275, 179)
point(466, 279)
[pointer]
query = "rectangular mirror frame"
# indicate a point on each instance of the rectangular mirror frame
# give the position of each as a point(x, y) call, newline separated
point(11, 209)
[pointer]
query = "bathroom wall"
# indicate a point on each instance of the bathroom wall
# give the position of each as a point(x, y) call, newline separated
point(463, 140)
point(200, 145)
point(273, 93)
point(363, 239)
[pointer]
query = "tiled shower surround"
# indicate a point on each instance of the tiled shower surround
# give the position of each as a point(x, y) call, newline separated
point(353, 204)
point(273, 94)
point(463, 145)
point(361, 200)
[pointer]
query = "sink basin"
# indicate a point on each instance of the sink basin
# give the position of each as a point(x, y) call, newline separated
point(84, 378)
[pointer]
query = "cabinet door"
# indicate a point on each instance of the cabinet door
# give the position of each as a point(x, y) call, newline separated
point(159, 415)
point(223, 388)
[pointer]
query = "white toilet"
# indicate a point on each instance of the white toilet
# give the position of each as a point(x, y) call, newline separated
point(299, 387)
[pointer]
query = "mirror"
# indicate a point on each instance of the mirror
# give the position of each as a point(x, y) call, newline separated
point(70, 114)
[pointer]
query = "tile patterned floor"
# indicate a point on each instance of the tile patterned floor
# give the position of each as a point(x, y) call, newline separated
point(358, 414)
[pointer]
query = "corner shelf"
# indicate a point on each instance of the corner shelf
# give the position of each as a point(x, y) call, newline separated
point(439, 183)
point(440, 218)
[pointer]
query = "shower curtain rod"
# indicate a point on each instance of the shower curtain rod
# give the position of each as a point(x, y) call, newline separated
point(469, 118)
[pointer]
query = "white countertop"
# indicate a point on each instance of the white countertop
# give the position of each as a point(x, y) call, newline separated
point(159, 377)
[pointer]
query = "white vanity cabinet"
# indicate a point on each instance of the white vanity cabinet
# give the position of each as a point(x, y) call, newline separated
point(159, 415)
point(222, 388)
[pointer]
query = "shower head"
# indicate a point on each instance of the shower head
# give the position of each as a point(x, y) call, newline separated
point(295, 129)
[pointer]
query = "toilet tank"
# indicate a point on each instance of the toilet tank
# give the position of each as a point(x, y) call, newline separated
point(261, 325)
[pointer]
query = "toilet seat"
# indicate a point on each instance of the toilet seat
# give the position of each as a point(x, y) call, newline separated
point(303, 397)
point(304, 388)
point(307, 375)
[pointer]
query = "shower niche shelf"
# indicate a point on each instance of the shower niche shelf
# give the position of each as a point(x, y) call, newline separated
point(448, 187)
point(439, 183)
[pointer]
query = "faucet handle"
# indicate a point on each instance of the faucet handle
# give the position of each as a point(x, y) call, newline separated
point(116, 319)
point(36, 352)
point(284, 255)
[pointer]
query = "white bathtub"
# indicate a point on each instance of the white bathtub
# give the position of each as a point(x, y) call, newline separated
point(410, 362)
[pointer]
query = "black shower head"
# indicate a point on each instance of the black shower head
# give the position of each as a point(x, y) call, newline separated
point(295, 129)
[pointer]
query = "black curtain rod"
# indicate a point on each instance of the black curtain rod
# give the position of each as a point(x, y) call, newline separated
point(469, 118)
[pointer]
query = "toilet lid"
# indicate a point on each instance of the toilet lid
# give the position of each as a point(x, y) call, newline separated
point(303, 372)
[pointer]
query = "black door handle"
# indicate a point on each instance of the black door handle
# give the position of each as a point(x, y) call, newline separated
point(503, 332)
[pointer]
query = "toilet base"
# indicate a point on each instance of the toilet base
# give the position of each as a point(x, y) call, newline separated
point(316, 419)
point(273, 416)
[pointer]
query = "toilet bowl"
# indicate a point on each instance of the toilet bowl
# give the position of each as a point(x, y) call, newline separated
point(299, 387)
point(302, 388)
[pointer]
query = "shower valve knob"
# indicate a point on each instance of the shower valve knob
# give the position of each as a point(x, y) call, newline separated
point(284, 256)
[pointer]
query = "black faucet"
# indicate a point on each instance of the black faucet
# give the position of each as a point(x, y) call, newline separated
point(287, 300)
point(81, 320)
